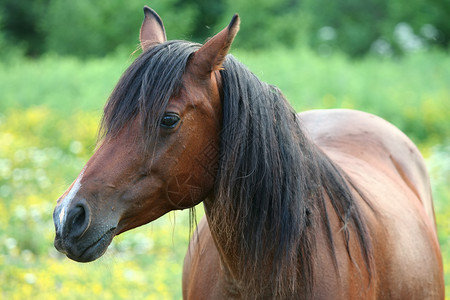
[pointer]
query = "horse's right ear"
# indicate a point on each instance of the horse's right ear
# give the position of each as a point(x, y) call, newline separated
point(152, 29)
point(211, 55)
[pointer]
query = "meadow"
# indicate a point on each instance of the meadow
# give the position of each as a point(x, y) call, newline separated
point(49, 114)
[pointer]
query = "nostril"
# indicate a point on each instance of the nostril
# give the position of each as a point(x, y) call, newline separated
point(79, 217)
point(78, 220)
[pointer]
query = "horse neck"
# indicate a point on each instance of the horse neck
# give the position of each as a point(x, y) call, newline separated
point(272, 182)
point(258, 215)
point(228, 256)
point(230, 263)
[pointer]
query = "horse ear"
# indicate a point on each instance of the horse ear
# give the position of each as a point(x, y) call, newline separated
point(152, 29)
point(211, 55)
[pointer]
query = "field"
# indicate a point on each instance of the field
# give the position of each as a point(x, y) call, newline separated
point(49, 113)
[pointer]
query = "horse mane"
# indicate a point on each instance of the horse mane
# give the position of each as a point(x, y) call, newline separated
point(272, 181)
point(145, 88)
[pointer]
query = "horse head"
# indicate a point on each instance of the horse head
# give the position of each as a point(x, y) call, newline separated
point(160, 146)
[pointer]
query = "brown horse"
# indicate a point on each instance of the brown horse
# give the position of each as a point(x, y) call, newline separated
point(327, 204)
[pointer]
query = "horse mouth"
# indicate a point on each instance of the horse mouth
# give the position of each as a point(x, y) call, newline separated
point(95, 249)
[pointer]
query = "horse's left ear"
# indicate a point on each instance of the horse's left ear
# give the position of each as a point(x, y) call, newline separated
point(211, 55)
point(152, 29)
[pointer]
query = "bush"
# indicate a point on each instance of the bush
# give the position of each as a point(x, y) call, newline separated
point(266, 24)
point(85, 28)
point(82, 29)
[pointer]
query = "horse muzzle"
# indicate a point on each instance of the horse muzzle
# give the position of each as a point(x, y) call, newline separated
point(77, 235)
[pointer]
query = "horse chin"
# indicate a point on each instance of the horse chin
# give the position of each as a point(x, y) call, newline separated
point(90, 249)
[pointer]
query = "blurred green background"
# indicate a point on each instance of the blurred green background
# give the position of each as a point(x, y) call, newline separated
point(59, 60)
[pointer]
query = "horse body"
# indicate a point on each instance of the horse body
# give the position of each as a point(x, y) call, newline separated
point(380, 158)
point(407, 259)
point(327, 204)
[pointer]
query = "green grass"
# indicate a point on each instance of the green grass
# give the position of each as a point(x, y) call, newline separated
point(411, 92)
point(49, 112)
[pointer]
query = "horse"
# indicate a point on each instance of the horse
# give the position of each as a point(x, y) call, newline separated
point(324, 204)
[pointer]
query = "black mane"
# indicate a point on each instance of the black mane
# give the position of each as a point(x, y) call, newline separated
point(272, 181)
point(146, 87)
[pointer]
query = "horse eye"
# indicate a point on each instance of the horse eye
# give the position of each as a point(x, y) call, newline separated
point(170, 120)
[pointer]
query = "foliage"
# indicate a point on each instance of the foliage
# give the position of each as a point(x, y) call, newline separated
point(85, 28)
point(264, 24)
point(439, 166)
point(70, 24)
point(49, 110)
point(20, 23)
point(386, 27)
point(409, 92)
